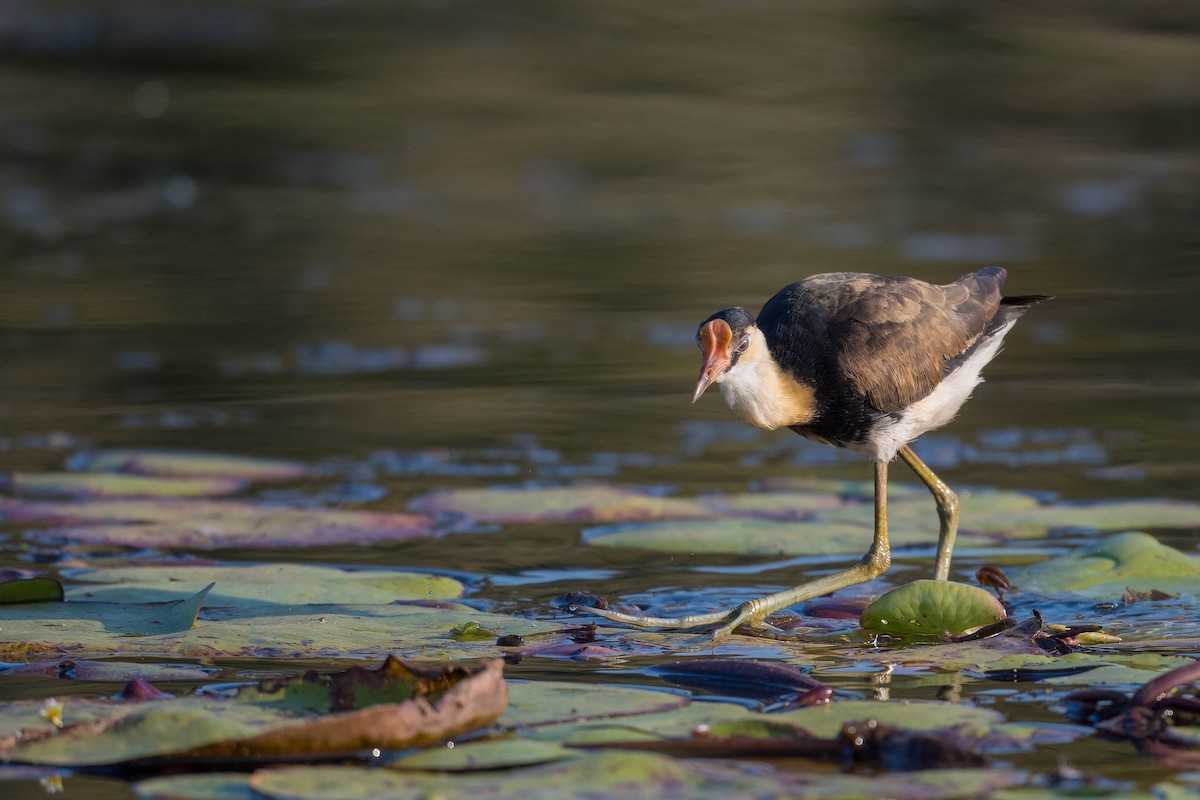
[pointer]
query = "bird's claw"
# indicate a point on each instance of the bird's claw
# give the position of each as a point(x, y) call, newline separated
point(745, 615)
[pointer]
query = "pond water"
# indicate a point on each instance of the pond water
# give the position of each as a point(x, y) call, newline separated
point(431, 246)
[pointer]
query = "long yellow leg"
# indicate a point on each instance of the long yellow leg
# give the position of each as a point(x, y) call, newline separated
point(754, 612)
point(947, 508)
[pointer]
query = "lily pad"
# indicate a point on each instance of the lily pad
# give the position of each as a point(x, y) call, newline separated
point(189, 464)
point(773, 505)
point(35, 630)
point(583, 778)
point(1109, 566)
point(30, 590)
point(259, 584)
point(594, 503)
point(208, 524)
point(827, 720)
point(393, 707)
point(757, 537)
point(173, 616)
point(487, 755)
point(1105, 516)
point(1132, 669)
point(96, 484)
point(535, 704)
point(932, 608)
point(109, 671)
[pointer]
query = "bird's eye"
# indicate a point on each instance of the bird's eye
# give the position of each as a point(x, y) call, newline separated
point(744, 344)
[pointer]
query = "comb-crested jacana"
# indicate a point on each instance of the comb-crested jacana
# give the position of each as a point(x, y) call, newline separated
point(859, 361)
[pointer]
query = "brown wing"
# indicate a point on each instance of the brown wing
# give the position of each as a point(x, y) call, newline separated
point(894, 335)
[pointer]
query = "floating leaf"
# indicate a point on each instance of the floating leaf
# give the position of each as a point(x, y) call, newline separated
point(617, 774)
point(827, 720)
point(393, 707)
point(1110, 566)
point(174, 615)
point(566, 503)
point(110, 671)
point(257, 631)
point(774, 505)
point(1087, 669)
point(757, 537)
point(90, 484)
point(30, 590)
point(488, 755)
point(256, 584)
point(849, 490)
point(932, 608)
point(209, 524)
point(1105, 516)
point(551, 703)
point(188, 464)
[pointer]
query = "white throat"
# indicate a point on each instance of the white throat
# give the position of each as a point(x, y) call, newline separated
point(758, 392)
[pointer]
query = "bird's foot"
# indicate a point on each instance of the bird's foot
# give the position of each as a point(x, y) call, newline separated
point(748, 614)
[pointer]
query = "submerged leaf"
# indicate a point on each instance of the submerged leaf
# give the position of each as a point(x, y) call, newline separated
point(30, 590)
point(1112, 566)
point(932, 608)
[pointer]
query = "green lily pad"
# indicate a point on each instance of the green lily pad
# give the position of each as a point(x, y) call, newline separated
point(621, 774)
point(98, 484)
point(81, 669)
point(1107, 567)
point(827, 720)
point(35, 630)
point(848, 490)
point(601, 775)
point(932, 608)
point(565, 504)
point(486, 755)
point(390, 707)
point(208, 524)
point(773, 505)
point(625, 775)
point(1106, 516)
point(535, 704)
point(758, 537)
point(174, 616)
point(1109, 669)
point(258, 584)
point(198, 786)
point(30, 590)
point(190, 464)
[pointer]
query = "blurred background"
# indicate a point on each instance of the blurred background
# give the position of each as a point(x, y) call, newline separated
point(326, 229)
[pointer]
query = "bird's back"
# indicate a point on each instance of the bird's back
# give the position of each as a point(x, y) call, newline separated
point(873, 345)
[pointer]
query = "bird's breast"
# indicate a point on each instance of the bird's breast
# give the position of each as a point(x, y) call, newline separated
point(759, 393)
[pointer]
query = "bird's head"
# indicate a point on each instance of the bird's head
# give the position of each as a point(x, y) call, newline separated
point(724, 338)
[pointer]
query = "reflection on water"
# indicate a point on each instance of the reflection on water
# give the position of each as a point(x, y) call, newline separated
point(470, 241)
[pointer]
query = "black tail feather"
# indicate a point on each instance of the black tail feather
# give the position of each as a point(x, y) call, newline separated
point(1025, 299)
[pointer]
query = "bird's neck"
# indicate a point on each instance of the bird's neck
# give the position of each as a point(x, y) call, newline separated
point(759, 392)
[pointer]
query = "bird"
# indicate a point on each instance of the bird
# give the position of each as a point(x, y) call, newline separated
point(859, 361)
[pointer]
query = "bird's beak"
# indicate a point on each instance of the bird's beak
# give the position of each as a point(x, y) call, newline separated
point(714, 341)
